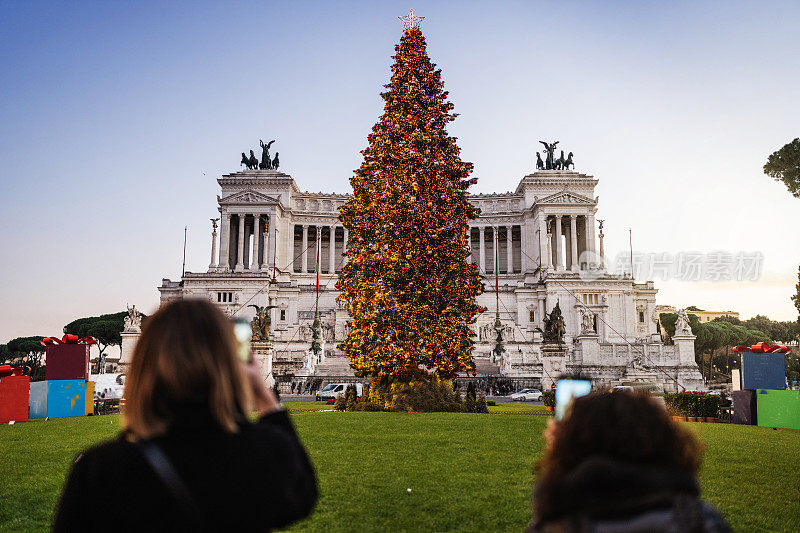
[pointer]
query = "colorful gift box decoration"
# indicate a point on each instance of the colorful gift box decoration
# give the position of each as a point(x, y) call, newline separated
point(763, 366)
point(744, 407)
point(67, 358)
point(14, 396)
point(66, 397)
point(778, 408)
point(762, 347)
point(89, 393)
point(38, 400)
point(763, 371)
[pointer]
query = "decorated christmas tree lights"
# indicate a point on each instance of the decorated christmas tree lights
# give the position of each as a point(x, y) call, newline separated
point(408, 284)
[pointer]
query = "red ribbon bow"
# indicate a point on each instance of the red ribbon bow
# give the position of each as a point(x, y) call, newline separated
point(762, 347)
point(8, 370)
point(67, 339)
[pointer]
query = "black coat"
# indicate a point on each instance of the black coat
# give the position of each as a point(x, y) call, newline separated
point(254, 480)
point(605, 495)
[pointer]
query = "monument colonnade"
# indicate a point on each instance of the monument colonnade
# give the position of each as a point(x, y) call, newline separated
point(300, 244)
point(502, 253)
point(247, 243)
point(563, 238)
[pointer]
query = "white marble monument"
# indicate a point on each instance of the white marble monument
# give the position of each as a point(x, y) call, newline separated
point(535, 238)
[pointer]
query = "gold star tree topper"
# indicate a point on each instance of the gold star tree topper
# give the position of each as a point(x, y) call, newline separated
point(410, 21)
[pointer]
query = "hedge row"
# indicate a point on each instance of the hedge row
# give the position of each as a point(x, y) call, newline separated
point(693, 404)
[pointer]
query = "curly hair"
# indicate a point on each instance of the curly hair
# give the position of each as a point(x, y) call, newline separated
point(625, 427)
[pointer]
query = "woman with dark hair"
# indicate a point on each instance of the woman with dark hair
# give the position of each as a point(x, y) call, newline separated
point(617, 463)
point(190, 459)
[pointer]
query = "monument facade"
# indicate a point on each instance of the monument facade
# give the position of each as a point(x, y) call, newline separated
point(538, 243)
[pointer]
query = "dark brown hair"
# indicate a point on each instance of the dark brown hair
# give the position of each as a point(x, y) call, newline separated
point(187, 352)
point(622, 426)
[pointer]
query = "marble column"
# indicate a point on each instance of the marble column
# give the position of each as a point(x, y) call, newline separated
point(255, 262)
point(224, 240)
point(602, 251)
point(248, 246)
point(290, 244)
point(573, 241)
point(268, 240)
point(544, 249)
point(332, 250)
point(523, 242)
point(482, 250)
point(213, 264)
point(590, 232)
point(240, 248)
point(304, 248)
point(509, 250)
point(557, 244)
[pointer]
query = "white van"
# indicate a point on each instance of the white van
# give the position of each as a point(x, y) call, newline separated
point(332, 390)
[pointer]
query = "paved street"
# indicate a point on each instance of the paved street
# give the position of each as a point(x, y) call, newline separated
point(310, 398)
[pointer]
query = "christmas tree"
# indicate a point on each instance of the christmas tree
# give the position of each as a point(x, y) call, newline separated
point(408, 284)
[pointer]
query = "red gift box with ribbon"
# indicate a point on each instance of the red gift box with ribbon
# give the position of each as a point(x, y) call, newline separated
point(762, 347)
point(14, 396)
point(68, 357)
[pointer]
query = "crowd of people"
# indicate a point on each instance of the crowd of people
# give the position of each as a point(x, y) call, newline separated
point(498, 386)
point(206, 446)
point(307, 386)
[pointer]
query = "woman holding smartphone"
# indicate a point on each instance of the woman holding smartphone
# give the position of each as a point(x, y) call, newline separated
point(190, 458)
point(617, 463)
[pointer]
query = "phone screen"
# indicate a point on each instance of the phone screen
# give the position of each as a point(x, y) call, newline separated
point(244, 334)
point(567, 390)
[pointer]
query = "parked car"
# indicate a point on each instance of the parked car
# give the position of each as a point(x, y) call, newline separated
point(332, 390)
point(643, 387)
point(527, 395)
point(623, 388)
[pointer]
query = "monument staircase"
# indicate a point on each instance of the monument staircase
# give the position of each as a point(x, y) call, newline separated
point(334, 365)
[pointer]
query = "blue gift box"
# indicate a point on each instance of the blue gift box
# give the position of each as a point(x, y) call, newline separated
point(66, 397)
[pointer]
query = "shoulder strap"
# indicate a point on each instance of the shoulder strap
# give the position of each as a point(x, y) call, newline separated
point(166, 472)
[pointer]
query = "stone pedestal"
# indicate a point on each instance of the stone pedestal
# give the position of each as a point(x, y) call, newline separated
point(263, 354)
point(684, 345)
point(554, 363)
point(129, 340)
point(590, 348)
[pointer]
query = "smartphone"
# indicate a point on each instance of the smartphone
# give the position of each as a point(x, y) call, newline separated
point(244, 335)
point(567, 390)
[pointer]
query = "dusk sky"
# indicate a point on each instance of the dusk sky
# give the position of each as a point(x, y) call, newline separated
point(116, 118)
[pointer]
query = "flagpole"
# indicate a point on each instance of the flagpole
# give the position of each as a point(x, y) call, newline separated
point(183, 268)
point(630, 243)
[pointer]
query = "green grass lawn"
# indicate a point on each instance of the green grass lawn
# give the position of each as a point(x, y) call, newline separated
point(466, 472)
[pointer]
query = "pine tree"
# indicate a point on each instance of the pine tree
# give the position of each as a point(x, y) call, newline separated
point(408, 285)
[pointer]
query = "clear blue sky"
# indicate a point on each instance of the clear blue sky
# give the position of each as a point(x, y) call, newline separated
point(116, 117)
